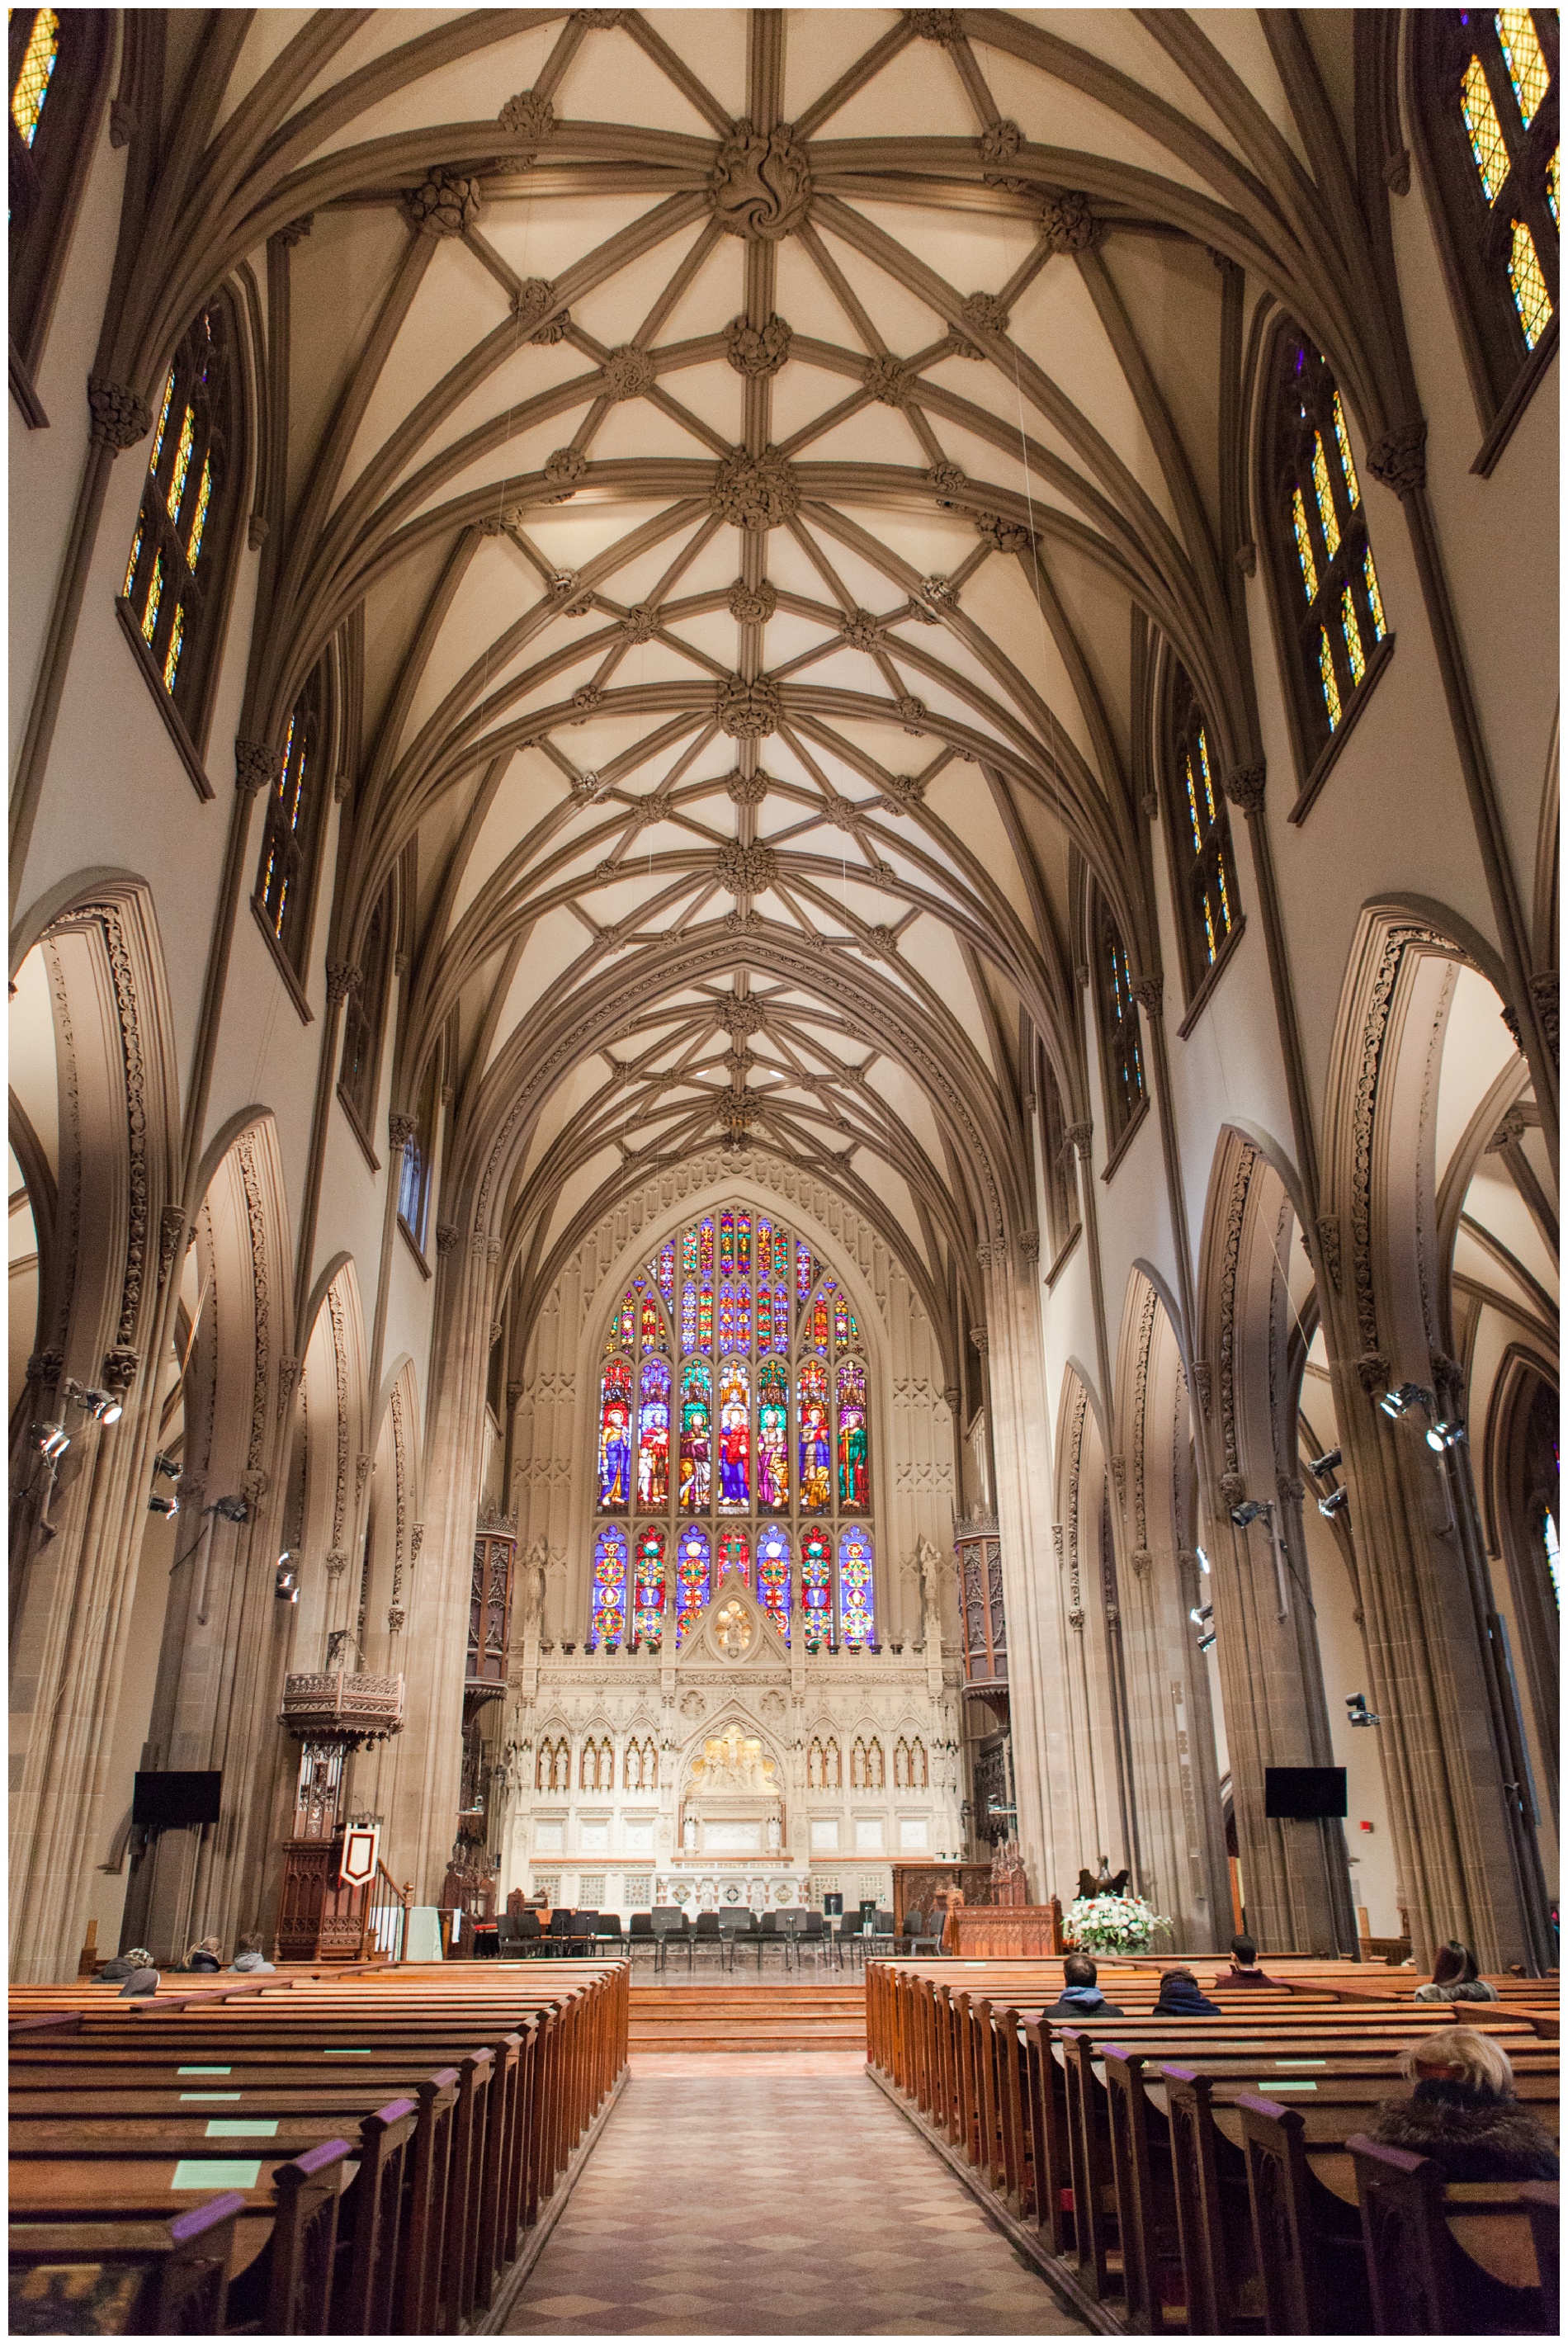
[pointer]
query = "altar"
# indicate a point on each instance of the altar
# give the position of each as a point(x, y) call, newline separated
point(717, 1886)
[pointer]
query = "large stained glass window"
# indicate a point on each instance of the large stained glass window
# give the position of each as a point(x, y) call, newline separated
point(609, 1622)
point(1330, 602)
point(733, 1435)
point(1202, 862)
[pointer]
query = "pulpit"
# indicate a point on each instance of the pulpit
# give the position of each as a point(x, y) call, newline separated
point(322, 1917)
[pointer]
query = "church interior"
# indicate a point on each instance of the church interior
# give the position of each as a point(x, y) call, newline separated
point(593, 1395)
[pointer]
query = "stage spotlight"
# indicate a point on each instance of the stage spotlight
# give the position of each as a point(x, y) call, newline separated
point(101, 1406)
point(156, 1505)
point(1249, 1510)
point(1326, 1463)
point(1334, 1503)
point(233, 1510)
point(51, 1441)
point(1356, 1703)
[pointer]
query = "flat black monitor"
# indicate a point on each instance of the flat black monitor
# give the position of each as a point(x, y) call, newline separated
point(834, 1903)
point(1304, 1794)
point(162, 1800)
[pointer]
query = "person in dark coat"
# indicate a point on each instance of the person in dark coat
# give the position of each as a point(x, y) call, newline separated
point(1462, 2112)
point(1244, 1969)
point(119, 1968)
point(1081, 1997)
point(206, 1956)
point(1455, 1977)
point(1181, 1996)
point(141, 1977)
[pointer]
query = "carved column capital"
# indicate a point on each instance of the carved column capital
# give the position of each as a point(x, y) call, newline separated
point(1399, 458)
point(1232, 1489)
point(981, 1339)
point(120, 415)
point(120, 1367)
point(1372, 1369)
point(1142, 1561)
point(1289, 1491)
point(255, 764)
point(171, 1226)
point(1203, 1383)
point(446, 1236)
point(1079, 1136)
point(401, 1130)
point(342, 979)
point(1150, 992)
point(45, 1368)
point(1244, 787)
point(1328, 1254)
point(191, 1490)
point(1029, 1246)
point(1543, 994)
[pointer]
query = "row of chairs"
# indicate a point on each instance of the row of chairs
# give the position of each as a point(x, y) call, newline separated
point(794, 1930)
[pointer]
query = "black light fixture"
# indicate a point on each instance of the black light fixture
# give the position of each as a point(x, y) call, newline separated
point(1442, 1434)
point(1397, 1403)
point(160, 1505)
point(167, 1466)
point(1324, 1464)
point(101, 1406)
point(286, 1584)
point(1360, 1715)
point(1249, 1510)
point(1334, 1503)
point(51, 1441)
point(233, 1510)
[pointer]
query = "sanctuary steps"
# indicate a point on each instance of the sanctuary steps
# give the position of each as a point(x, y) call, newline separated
point(748, 2014)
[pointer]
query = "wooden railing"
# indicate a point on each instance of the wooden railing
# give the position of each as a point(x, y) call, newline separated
point(386, 1921)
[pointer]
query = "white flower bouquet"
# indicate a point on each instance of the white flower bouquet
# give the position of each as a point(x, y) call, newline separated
point(1111, 1924)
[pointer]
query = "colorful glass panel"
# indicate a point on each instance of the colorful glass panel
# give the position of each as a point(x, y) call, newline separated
point(804, 1269)
point(1486, 140)
point(154, 596)
point(1325, 496)
point(704, 1248)
point(688, 1318)
point(1331, 682)
point(697, 1436)
point(1527, 67)
point(705, 1319)
point(743, 1245)
point(690, 1577)
point(647, 1618)
point(1347, 461)
point(734, 1315)
point(819, 1325)
point(817, 1587)
point(816, 1486)
point(781, 1319)
point(32, 83)
point(772, 1577)
point(857, 1598)
point(853, 1484)
point(175, 645)
point(726, 1244)
point(1531, 298)
point(609, 1624)
point(1554, 187)
point(1375, 600)
point(772, 1438)
point(203, 499)
point(734, 1438)
point(1351, 625)
point(734, 1556)
point(664, 1272)
point(181, 463)
point(654, 1435)
point(689, 1254)
point(131, 564)
point(616, 1435)
point(1303, 545)
point(622, 1324)
point(162, 422)
point(653, 1324)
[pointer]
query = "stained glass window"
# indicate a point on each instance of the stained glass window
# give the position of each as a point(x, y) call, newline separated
point(734, 1555)
point(691, 1552)
point(295, 813)
point(816, 1586)
point(609, 1622)
point(1485, 84)
point(697, 1436)
point(30, 85)
point(773, 1576)
point(1121, 1046)
point(616, 1435)
point(648, 1619)
point(736, 1432)
point(734, 1438)
point(654, 1435)
point(852, 1489)
point(1339, 619)
point(169, 586)
point(857, 1608)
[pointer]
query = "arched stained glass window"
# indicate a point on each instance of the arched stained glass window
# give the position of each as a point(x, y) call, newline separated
point(856, 1607)
point(1197, 831)
point(58, 61)
point(750, 1440)
point(296, 808)
point(647, 1618)
point(609, 1621)
point(1330, 604)
point(1121, 1048)
point(1486, 123)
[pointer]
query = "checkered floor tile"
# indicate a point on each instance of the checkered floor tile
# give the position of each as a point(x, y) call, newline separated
point(800, 2206)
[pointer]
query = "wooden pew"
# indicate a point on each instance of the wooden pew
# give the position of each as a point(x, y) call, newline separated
point(144, 2278)
point(1458, 2259)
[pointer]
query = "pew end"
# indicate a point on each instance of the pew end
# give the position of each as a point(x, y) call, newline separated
point(1437, 2256)
point(125, 2277)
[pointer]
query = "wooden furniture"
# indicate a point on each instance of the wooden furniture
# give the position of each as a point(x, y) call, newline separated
point(1008, 1932)
point(914, 1886)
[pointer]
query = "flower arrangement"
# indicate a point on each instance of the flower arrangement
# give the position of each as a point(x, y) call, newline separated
point(1111, 1924)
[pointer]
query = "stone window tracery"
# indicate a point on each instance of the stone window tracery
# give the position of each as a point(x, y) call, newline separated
point(1197, 828)
point(1121, 1046)
point(734, 1433)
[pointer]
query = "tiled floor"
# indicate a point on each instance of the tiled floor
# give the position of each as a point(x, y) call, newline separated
point(747, 2196)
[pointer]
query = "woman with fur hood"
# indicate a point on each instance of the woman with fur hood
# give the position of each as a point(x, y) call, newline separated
point(1462, 2113)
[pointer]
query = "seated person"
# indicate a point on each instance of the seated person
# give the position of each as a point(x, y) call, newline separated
point(1181, 1996)
point(207, 1956)
point(141, 1975)
point(249, 1956)
point(1462, 2113)
point(1244, 1969)
point(1081, 1997)
point(1454, 1977)
point(119, 1968)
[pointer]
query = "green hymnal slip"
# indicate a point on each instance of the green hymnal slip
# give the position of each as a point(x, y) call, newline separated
point(217, 2173)
point(264, 2127)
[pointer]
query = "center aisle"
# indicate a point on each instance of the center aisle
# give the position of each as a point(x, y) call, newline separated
point(771, 2194)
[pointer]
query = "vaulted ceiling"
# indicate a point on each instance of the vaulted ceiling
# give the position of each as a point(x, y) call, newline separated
point(747, 448)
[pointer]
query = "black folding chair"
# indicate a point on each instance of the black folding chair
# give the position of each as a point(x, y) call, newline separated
point(639, 1936)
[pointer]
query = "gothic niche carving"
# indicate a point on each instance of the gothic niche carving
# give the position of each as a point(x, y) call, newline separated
point(760, 186)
